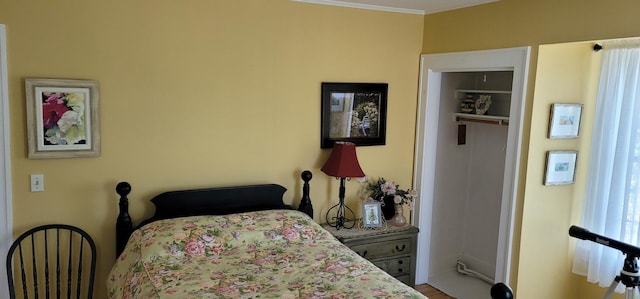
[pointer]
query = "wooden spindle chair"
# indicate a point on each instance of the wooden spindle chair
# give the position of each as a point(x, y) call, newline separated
point(55, 261)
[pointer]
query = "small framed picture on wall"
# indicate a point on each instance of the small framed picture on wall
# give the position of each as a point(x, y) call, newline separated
point(564, 121)
point(560, 168)
point(353, 112)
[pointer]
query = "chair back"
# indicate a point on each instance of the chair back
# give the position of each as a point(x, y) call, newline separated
point(52, 261)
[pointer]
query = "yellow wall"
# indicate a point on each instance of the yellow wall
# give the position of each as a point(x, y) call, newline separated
point(209, 93)
point(543, 257)
point(567, 73)
point(202, 93)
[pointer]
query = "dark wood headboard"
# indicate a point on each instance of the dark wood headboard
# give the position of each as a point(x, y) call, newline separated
point(209, 201)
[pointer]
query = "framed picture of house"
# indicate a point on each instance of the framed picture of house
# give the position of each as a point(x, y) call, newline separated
point(564, 120)
point(62, 118)
point(353, 112)
point(560, 167)
point(371, 214)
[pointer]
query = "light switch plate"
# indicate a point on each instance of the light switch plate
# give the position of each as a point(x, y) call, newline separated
point(37, 183)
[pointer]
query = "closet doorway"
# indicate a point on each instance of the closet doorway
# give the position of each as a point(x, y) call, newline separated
point(466, 167)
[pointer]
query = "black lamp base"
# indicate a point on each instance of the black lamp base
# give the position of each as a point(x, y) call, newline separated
point(341, 217)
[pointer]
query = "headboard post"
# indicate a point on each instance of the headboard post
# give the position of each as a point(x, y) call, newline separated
point(124, 226)
point(305, 202)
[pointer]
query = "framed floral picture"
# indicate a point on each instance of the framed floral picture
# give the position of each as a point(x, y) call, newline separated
point(62, 118)
point(353, 112)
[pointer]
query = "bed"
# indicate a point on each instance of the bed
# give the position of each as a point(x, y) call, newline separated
point(238, 242)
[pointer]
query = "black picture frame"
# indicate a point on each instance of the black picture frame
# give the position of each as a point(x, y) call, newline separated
point(354, 112)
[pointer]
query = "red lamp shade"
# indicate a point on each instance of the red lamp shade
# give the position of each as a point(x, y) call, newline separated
point(343, 162)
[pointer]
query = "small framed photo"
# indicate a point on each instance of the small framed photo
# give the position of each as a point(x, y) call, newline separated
point(62, 118)
point(564, 120)
point(560, 168)
point(371, 214)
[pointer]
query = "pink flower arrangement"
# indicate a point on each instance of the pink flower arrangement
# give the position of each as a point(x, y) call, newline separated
point(378, 189)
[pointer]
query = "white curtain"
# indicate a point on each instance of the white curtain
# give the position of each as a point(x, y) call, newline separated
point(612, 203)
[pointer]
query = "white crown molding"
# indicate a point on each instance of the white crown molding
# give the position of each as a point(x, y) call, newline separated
point(365, 6)
point(438, 6)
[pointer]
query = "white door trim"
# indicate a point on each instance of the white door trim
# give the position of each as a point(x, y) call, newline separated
point(6, 211)
point(431, 68)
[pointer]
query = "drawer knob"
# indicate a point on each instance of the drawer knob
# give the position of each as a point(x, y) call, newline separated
point(362, 254)
point(399, 270)
point(400, 262)
point(398, 248)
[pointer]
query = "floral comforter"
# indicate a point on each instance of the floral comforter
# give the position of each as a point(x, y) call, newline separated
point(265, 254)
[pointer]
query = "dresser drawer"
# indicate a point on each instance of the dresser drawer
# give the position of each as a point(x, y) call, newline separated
point(406, 279)
point(383, 249)
point(396, 266)
point(392, 249)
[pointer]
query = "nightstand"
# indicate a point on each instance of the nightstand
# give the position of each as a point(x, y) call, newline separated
point(392, 249)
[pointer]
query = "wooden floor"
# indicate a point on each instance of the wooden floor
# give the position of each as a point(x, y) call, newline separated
point(432, 292)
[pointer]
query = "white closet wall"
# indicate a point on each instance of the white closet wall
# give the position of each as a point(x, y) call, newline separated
point(484, 196)
point(469, 180)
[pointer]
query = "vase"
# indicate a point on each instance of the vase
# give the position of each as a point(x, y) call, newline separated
point(398, 219)
point(387, 206)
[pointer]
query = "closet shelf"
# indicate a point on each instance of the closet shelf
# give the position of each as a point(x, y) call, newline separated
point(484, 91)
point(486, 119)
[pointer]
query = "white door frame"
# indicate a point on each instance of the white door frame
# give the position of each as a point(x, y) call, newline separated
point(6, 210)
point(431, 68)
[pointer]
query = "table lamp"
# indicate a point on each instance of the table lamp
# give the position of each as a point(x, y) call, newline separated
point(342, 164)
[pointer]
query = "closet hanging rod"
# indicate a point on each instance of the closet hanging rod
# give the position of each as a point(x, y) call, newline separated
point(500, 122)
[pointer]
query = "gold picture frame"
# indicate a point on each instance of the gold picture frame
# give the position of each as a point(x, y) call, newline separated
point(62, 118)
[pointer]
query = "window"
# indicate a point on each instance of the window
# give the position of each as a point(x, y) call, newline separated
point(612, 203)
